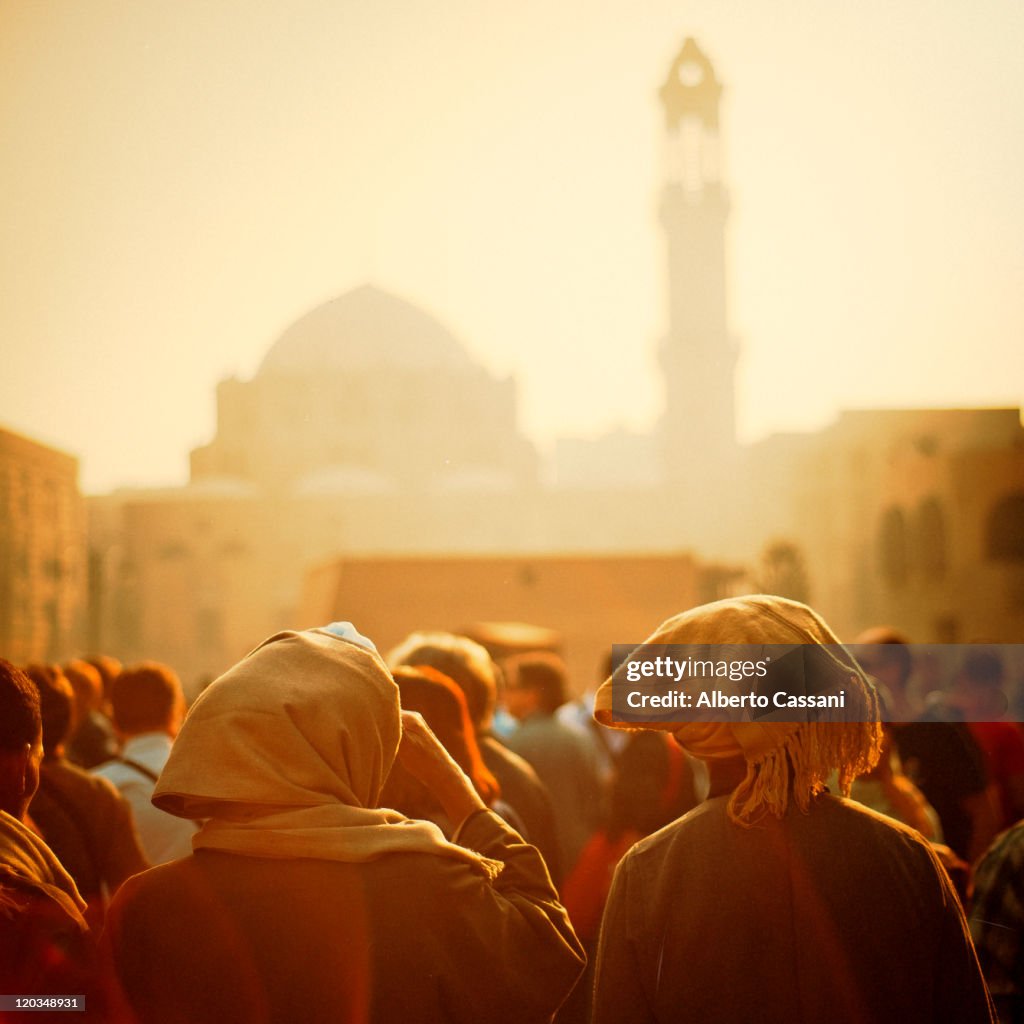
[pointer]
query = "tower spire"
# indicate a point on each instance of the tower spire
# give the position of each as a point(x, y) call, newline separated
point(698, 354)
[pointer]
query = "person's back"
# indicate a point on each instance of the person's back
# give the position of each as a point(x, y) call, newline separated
point(997, 922)
point(406, 937)
point(837, 915)
point(939, 756)
point(775, 902)
point(563, 758)
point(83, 818)
point(148, 704)
point(528, 797)
point(564, 762)
point(304, 899)
point(89, 825)
point(979, 692)
point(45, 947)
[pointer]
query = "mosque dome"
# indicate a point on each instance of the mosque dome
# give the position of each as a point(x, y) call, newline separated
point(365, 329)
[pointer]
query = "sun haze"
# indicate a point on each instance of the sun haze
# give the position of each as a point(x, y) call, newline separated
point(181, 183)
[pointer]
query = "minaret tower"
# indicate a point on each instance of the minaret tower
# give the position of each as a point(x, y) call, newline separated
point(698, 355)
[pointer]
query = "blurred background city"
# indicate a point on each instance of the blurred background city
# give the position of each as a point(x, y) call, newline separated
point(541, 324)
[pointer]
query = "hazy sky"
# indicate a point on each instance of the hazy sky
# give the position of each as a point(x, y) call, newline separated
point(181, 180)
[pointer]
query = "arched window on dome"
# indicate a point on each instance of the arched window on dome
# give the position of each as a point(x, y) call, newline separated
point(892, 547)
point(1004, 529)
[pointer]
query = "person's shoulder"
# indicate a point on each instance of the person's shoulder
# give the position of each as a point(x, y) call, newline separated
point(850, 826)
point(160, 876)
point(833, 814)
point(45, 945)
point(840, 811)
point(1006, 849)
point(495, 752)
point(569, 737)
point(76, 780)
point(679, 838)
point(157, 890)
point(114, 772)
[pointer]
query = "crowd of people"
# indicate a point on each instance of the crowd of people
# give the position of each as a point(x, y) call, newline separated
point(432, 834)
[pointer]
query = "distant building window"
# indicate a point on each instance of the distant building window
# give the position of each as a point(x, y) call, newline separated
point(930, 539)
point(892, 548)
point(1004, 531)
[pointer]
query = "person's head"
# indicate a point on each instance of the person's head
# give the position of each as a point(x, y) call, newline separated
point(306, 720)
point(21, 740)
point(146, 698)
point(978, 688)
point(56, 703)
point(885, 654)
point(87, 684)
point(109, 669)
point(443, 708)
point(774, 759)
point(536, 682)
point(462, 660)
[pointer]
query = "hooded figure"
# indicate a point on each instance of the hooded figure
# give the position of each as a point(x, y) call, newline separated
point(774, 900)
point(303, 899)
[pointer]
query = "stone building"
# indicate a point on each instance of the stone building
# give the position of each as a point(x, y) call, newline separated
point(42, 552)
point(939, 546)
point(351, 437)
point(910, 517)
point(367, 393)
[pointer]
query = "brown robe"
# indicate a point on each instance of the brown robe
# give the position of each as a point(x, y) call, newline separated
point(837, 915)
point(220, 937)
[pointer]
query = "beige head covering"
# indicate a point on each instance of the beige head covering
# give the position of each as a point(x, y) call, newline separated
point(286, 755)
point(783, 758)
point(24, 856)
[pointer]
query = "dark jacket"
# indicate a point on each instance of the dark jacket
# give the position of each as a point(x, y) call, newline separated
point(88, 825)
point(837, 915)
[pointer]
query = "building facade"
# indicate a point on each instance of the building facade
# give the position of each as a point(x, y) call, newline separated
point(43, 572)
point(367, 394)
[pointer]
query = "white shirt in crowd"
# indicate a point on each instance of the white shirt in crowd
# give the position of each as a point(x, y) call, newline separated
point(163, 836)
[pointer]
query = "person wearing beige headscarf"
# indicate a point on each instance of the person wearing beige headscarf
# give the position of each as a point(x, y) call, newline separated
point(45, 947)
point(303, 899)
point(774, 900)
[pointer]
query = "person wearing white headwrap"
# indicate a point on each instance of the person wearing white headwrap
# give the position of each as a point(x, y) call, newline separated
point(303, 900)
point(774, 901)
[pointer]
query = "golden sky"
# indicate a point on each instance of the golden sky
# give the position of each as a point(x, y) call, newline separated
point(180, 181)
